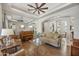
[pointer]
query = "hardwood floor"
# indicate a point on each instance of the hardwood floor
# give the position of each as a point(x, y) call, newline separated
point(45, 50)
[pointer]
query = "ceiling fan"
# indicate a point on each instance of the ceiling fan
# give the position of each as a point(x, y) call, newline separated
point(37, 8)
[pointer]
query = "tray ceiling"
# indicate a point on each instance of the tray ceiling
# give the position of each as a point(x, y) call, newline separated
point(21, 11)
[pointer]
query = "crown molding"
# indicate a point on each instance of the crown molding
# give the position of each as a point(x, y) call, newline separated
point(54, 10)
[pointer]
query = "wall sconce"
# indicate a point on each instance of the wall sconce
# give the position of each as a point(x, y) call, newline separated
point(72, 28)
point(30, 26)
point(22, 26)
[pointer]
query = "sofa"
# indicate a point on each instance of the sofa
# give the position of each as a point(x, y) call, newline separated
point(52, 38)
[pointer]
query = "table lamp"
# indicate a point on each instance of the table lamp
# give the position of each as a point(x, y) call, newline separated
point(7, 32)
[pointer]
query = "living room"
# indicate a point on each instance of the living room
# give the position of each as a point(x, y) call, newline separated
point(39, 29)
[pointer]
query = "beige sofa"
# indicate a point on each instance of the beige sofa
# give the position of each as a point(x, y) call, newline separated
point(52, 38)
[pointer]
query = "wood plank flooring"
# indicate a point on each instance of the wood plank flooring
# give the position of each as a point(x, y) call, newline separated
point(45, 50)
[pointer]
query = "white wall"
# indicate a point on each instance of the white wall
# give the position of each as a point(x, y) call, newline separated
point(17, 27)
point(0, 17)
point(72, 11)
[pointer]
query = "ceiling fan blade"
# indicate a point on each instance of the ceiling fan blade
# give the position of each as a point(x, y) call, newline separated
point(30, 6)
point(42, 5)
point(38, 12)
point(34, 11)
point(36, 5)
point(42, 11)
point(44, 8)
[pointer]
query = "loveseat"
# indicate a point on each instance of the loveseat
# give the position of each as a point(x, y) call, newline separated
point(52, 38)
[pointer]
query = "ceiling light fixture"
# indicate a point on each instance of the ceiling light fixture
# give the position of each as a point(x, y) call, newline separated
point(37, 8)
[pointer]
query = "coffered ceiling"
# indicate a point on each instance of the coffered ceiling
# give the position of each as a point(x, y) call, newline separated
point(20, 11)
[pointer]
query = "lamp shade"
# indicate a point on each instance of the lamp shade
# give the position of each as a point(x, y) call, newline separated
point(6, 32)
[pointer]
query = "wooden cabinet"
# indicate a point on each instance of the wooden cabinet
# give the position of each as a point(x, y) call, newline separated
point(75, 48)
point(26, 35)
